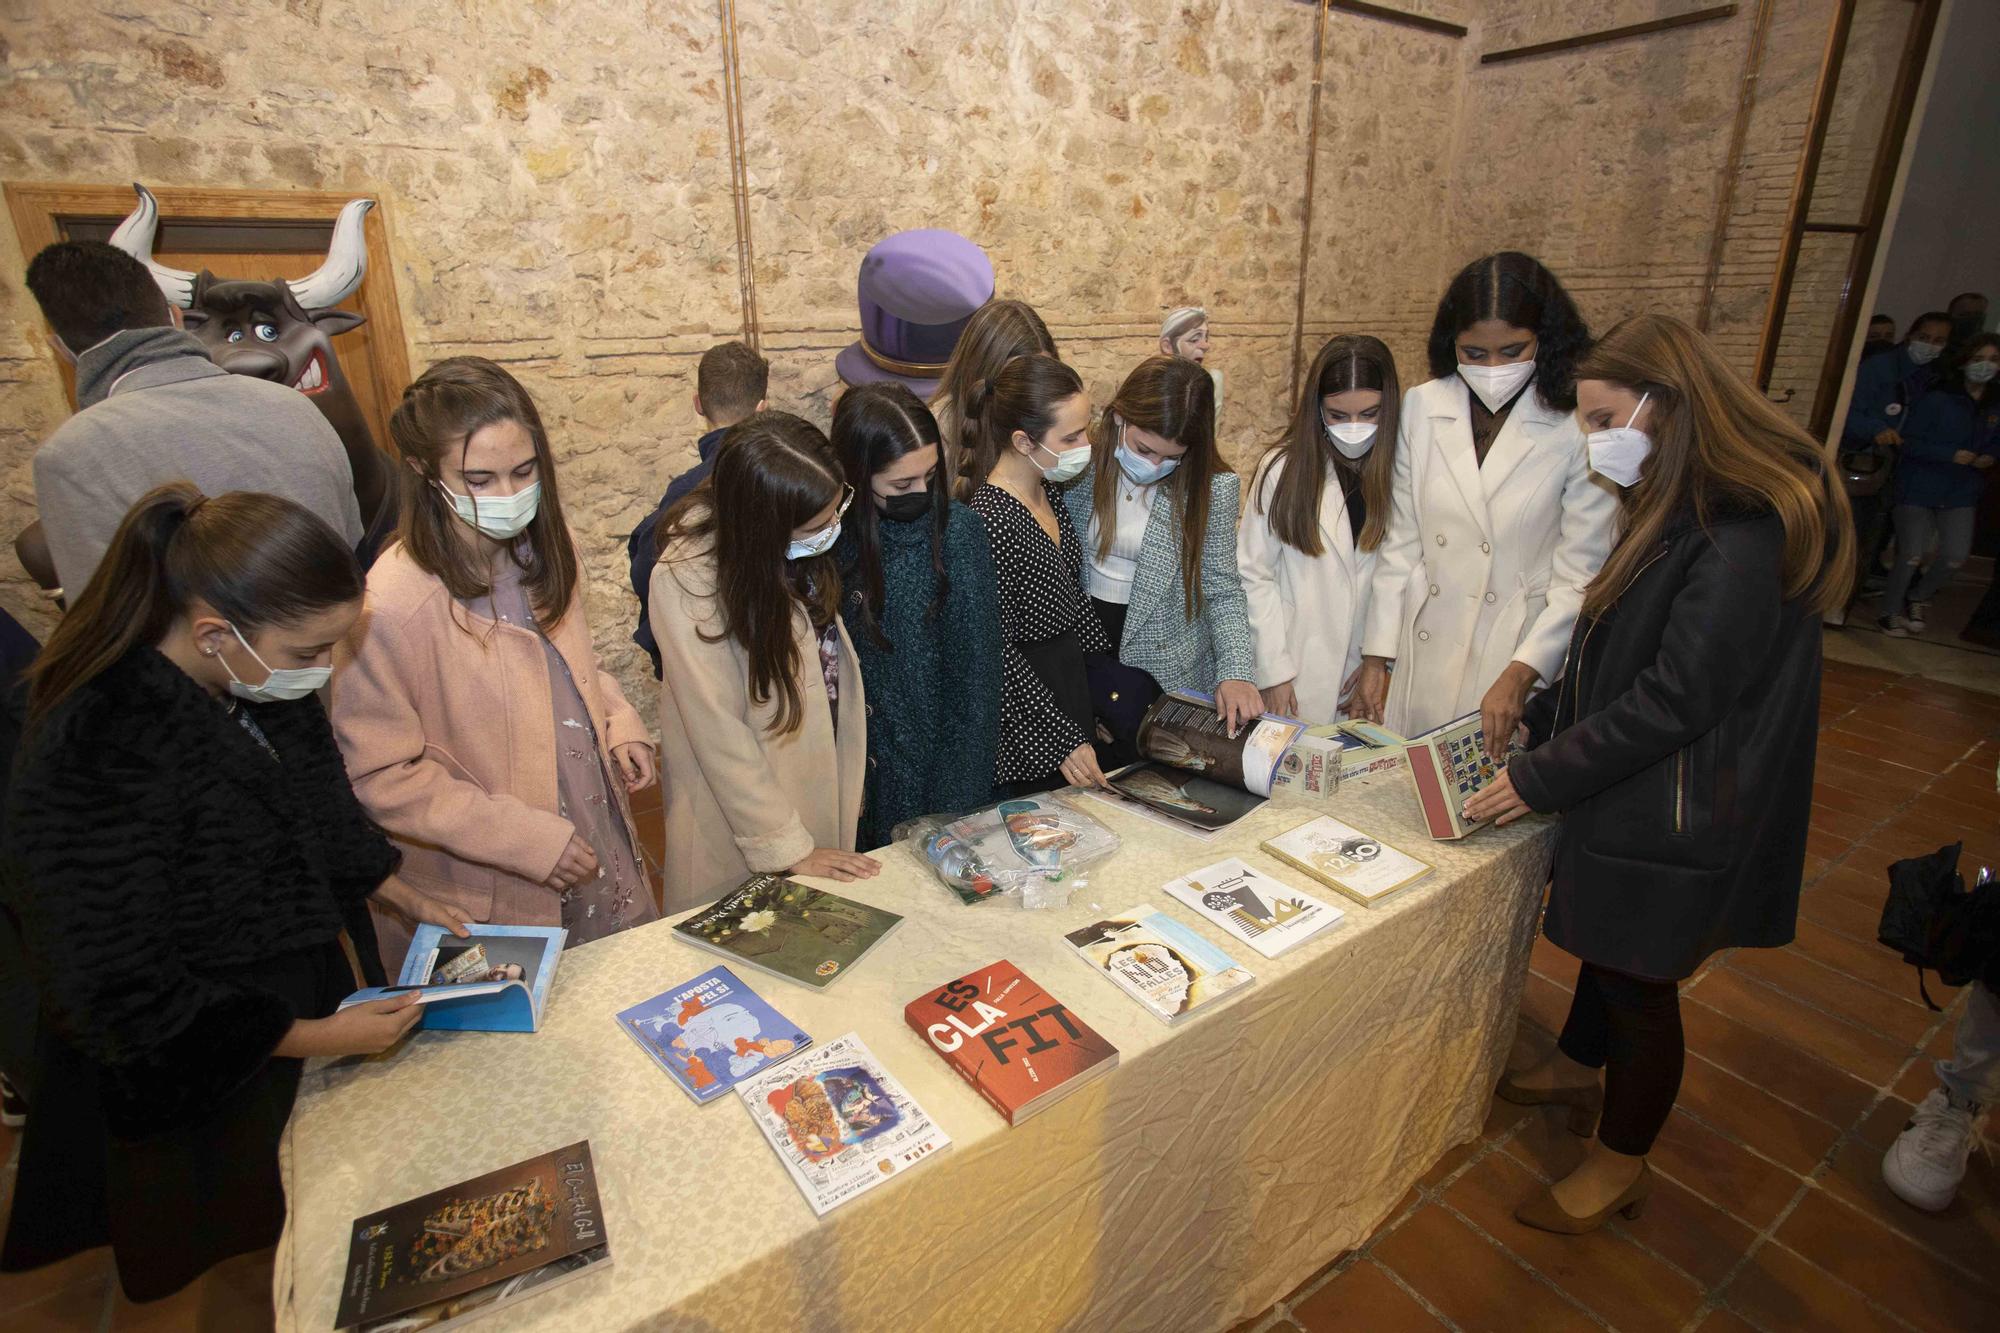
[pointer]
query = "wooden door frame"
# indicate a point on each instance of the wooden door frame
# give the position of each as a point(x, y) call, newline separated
point(42, 209)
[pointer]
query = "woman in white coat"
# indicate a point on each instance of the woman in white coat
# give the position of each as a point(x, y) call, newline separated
point(1319, 505)
point(1498, 521)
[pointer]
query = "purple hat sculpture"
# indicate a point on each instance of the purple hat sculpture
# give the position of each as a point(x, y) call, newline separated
point(916, 290)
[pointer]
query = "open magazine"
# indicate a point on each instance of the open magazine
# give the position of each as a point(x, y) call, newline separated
point(1195, 772)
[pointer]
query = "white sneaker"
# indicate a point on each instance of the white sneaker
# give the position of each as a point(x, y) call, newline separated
point(1927, 1161)
point(1894, 626)
point(1919, 614)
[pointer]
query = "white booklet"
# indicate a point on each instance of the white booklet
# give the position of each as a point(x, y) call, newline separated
point(1267, 914)
point(840, 1122)
point(1342, 857)
point(1159, 962)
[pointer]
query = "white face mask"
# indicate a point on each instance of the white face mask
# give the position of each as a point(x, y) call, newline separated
point(1352, 438)
point(1923, 353)
point(822, 541)
point(502, 516)
point(1618, 454)
point(1980, 371)
point(280, 684)
point(1496, 385)
point(1069, 463)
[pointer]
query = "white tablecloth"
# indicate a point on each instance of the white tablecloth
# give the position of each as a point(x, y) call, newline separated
point(1216, 1168)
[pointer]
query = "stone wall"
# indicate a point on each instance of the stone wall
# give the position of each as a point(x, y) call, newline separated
point(555, 178)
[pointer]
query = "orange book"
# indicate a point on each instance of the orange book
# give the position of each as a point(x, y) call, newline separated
point(1019, 1047)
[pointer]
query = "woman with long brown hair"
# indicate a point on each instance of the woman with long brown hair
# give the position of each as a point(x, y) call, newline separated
point(1157, 508)
point(762, 709)
point(998, 332)
point(184, 854)
point(1319, 504)
point(481, 729)
point(1678, 743)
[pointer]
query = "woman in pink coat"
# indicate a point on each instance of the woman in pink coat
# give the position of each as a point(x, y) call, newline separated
point(479, 728)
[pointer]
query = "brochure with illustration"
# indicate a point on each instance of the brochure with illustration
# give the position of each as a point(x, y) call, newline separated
point(431, 1261)
point(711, 1033)
point(1019, 1047)
point(1265, 913)
point(1448, 766)
point(1341, 857)
point(790, 930)
point(1196, 772)
point(495, 980)
point(839, 1122)
point(1159, 962)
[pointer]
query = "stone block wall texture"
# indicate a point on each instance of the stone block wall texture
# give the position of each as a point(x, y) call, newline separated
point(556, 182)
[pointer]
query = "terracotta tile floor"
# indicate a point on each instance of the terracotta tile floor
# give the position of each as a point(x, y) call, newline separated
point(1803, 1063)
point(1770, 1213)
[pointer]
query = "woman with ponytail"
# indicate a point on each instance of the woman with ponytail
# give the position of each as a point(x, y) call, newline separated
point(1678, 741)
point(762, 708)
point(481, 729)
point(998, 332)
point(183, 854)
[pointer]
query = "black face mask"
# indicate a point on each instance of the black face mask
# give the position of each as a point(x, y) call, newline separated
point(907, 507)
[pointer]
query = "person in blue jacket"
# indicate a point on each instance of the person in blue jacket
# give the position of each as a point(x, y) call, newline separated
point(1885, 388)
point(729, 387)
point(1951, 440)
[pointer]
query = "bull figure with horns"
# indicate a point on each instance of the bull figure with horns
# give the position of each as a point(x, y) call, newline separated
point(283, 332)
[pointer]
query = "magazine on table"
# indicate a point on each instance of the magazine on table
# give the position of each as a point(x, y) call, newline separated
point(1194, 771)
point(788, 929)
point(1159, 962)
point(443, 1257)
point(1342, 857)
point(497, 979)
point(840, 1122)
point(711, 1033)
point(1449, 765)
point(1265, 913)
point(1016, 1045)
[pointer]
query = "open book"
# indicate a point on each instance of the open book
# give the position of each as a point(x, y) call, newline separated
point(1195, 772)
point(495, 980)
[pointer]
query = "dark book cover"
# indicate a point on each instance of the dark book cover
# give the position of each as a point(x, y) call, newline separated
point(1017, 1045)
point(789, 929)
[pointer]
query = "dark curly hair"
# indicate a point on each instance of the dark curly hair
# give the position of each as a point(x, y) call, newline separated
point(1515, 289)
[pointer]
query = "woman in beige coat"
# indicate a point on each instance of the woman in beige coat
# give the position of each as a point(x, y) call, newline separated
point(479, 728)
point(762, 714)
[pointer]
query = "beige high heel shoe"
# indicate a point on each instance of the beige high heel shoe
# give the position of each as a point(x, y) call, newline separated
point(1544, 1214)
point(1585, 1104)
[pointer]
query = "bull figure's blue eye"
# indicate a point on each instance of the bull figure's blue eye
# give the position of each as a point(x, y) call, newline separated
point(236, 335)
point(267, 333)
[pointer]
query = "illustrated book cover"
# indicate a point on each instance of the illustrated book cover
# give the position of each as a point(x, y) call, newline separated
point(1448, 766)
point(790, 930)
point(1159, 962)
point(1265, 913)
point(711, 1033)
point(1019, 1047)
point(431, 1261)
point(839, 1122)
point(1342, 857)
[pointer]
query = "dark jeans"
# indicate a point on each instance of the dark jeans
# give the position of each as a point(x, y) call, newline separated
point(1630, 1027)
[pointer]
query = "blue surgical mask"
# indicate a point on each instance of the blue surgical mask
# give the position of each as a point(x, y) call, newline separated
point(280, 684)
point(1139, 471)
point(805, 548)
point(501, 516)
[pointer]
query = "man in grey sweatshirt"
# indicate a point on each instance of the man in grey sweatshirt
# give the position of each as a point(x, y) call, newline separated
point(153, 408)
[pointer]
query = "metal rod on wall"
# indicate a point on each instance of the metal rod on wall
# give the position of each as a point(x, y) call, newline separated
point(739, 172)
point(1306, 221)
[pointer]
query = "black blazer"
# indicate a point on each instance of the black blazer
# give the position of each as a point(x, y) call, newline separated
point(1679, 746)
point(154, 851)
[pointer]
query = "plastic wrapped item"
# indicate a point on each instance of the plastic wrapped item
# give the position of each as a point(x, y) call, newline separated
point(1033, 847)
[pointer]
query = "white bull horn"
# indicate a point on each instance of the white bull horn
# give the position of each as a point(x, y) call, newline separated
point(346, 262)
point(135, 237)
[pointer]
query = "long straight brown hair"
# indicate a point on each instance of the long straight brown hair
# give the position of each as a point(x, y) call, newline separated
point(998, 332)
point(1176, 401)
point(773, 472)
point(1716, 439)
point(257, 559)
point(1348, 361)
point(440, 413)
point(1023, 396)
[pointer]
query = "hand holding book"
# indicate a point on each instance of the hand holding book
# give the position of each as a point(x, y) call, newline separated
point(1497, 801)
point(362, 1029)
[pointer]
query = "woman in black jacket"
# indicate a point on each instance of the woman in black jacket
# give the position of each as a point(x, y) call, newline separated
point(183, 852)
point(1679, 742)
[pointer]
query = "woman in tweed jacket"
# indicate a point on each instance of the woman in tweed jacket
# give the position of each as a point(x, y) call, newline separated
point(1158, 511)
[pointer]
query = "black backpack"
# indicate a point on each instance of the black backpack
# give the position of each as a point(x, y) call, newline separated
point(1935, 922)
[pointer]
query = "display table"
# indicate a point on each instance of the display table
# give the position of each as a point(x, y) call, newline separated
point(1220, 1164)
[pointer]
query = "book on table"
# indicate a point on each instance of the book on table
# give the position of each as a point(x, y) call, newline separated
point(790, 930)
point(497, 979)
point(840, 1122)
point(1019, 1047)
point(1194, 771)
point(443, 1257)
point(1159, 962)
point(1448, 766)
point(1264, 912)
point(711, 1032)
point(1344, 858)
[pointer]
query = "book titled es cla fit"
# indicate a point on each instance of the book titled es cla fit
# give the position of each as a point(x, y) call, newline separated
point(1018, 1046)
point(432, 1261)
point(788, 929)
point(711, 1032)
